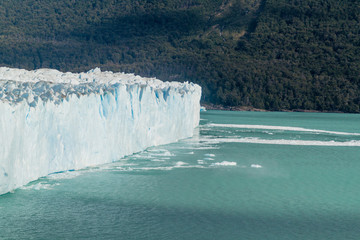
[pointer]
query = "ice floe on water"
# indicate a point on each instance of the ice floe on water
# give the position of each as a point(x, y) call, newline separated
point(158, 160)
point(224, 163)
point(256, 166)
point(209, 155)
point(159, 152)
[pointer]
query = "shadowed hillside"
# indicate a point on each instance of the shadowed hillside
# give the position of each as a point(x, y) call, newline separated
point(272, 54)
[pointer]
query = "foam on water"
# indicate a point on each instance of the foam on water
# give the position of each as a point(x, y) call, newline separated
point(204, 148)
point(157, 168)
point(64, 175)
point(148, 169)
point(40, 186)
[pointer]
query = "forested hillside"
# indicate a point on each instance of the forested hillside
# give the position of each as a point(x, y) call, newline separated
point(271, 54)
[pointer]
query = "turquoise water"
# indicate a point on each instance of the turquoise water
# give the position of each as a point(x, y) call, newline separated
point(244, 175)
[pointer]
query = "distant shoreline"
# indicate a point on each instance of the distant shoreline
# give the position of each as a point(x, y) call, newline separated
point(252, 109)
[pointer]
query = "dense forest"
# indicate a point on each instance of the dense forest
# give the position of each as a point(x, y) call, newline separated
point(269, 54)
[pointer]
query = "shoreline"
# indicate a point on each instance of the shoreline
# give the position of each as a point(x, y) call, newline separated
point(209, 106)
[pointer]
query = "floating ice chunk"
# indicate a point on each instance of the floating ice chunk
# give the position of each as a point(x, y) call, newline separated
point(224, 163)
point(180, 163)
point(158, 160)
point(209, 155)
point(256, 166)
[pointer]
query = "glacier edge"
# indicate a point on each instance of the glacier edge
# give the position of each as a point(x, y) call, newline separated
point(73, 121)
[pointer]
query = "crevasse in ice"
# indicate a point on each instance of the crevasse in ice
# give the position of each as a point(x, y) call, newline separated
point(52, 121)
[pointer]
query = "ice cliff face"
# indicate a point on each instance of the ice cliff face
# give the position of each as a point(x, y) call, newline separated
point(52, 121)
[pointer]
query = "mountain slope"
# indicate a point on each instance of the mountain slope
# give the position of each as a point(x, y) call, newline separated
point(272, 54)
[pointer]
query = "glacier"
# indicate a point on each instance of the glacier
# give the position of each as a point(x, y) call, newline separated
point(52, 121)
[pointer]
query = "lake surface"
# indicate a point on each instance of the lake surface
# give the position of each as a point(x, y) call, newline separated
point(244, 175)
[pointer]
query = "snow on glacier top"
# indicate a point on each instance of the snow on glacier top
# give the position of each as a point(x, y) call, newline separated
point(17, 85)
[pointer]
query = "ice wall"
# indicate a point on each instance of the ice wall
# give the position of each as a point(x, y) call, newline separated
point(52, 121)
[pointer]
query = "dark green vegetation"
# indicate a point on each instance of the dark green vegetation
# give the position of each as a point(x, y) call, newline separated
point(271, 54)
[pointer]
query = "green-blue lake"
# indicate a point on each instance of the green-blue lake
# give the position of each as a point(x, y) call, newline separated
point(244, 175)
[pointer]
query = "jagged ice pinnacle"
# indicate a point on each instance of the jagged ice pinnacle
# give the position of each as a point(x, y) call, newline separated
point(52, 121)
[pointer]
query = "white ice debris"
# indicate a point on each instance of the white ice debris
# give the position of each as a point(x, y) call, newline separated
point(224, 163)
point(256, 166)
point(52, 121)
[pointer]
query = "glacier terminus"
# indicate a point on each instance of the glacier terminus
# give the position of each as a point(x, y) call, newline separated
point(52, 121)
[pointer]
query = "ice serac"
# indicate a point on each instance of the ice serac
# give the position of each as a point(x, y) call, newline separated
point(52, 121)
